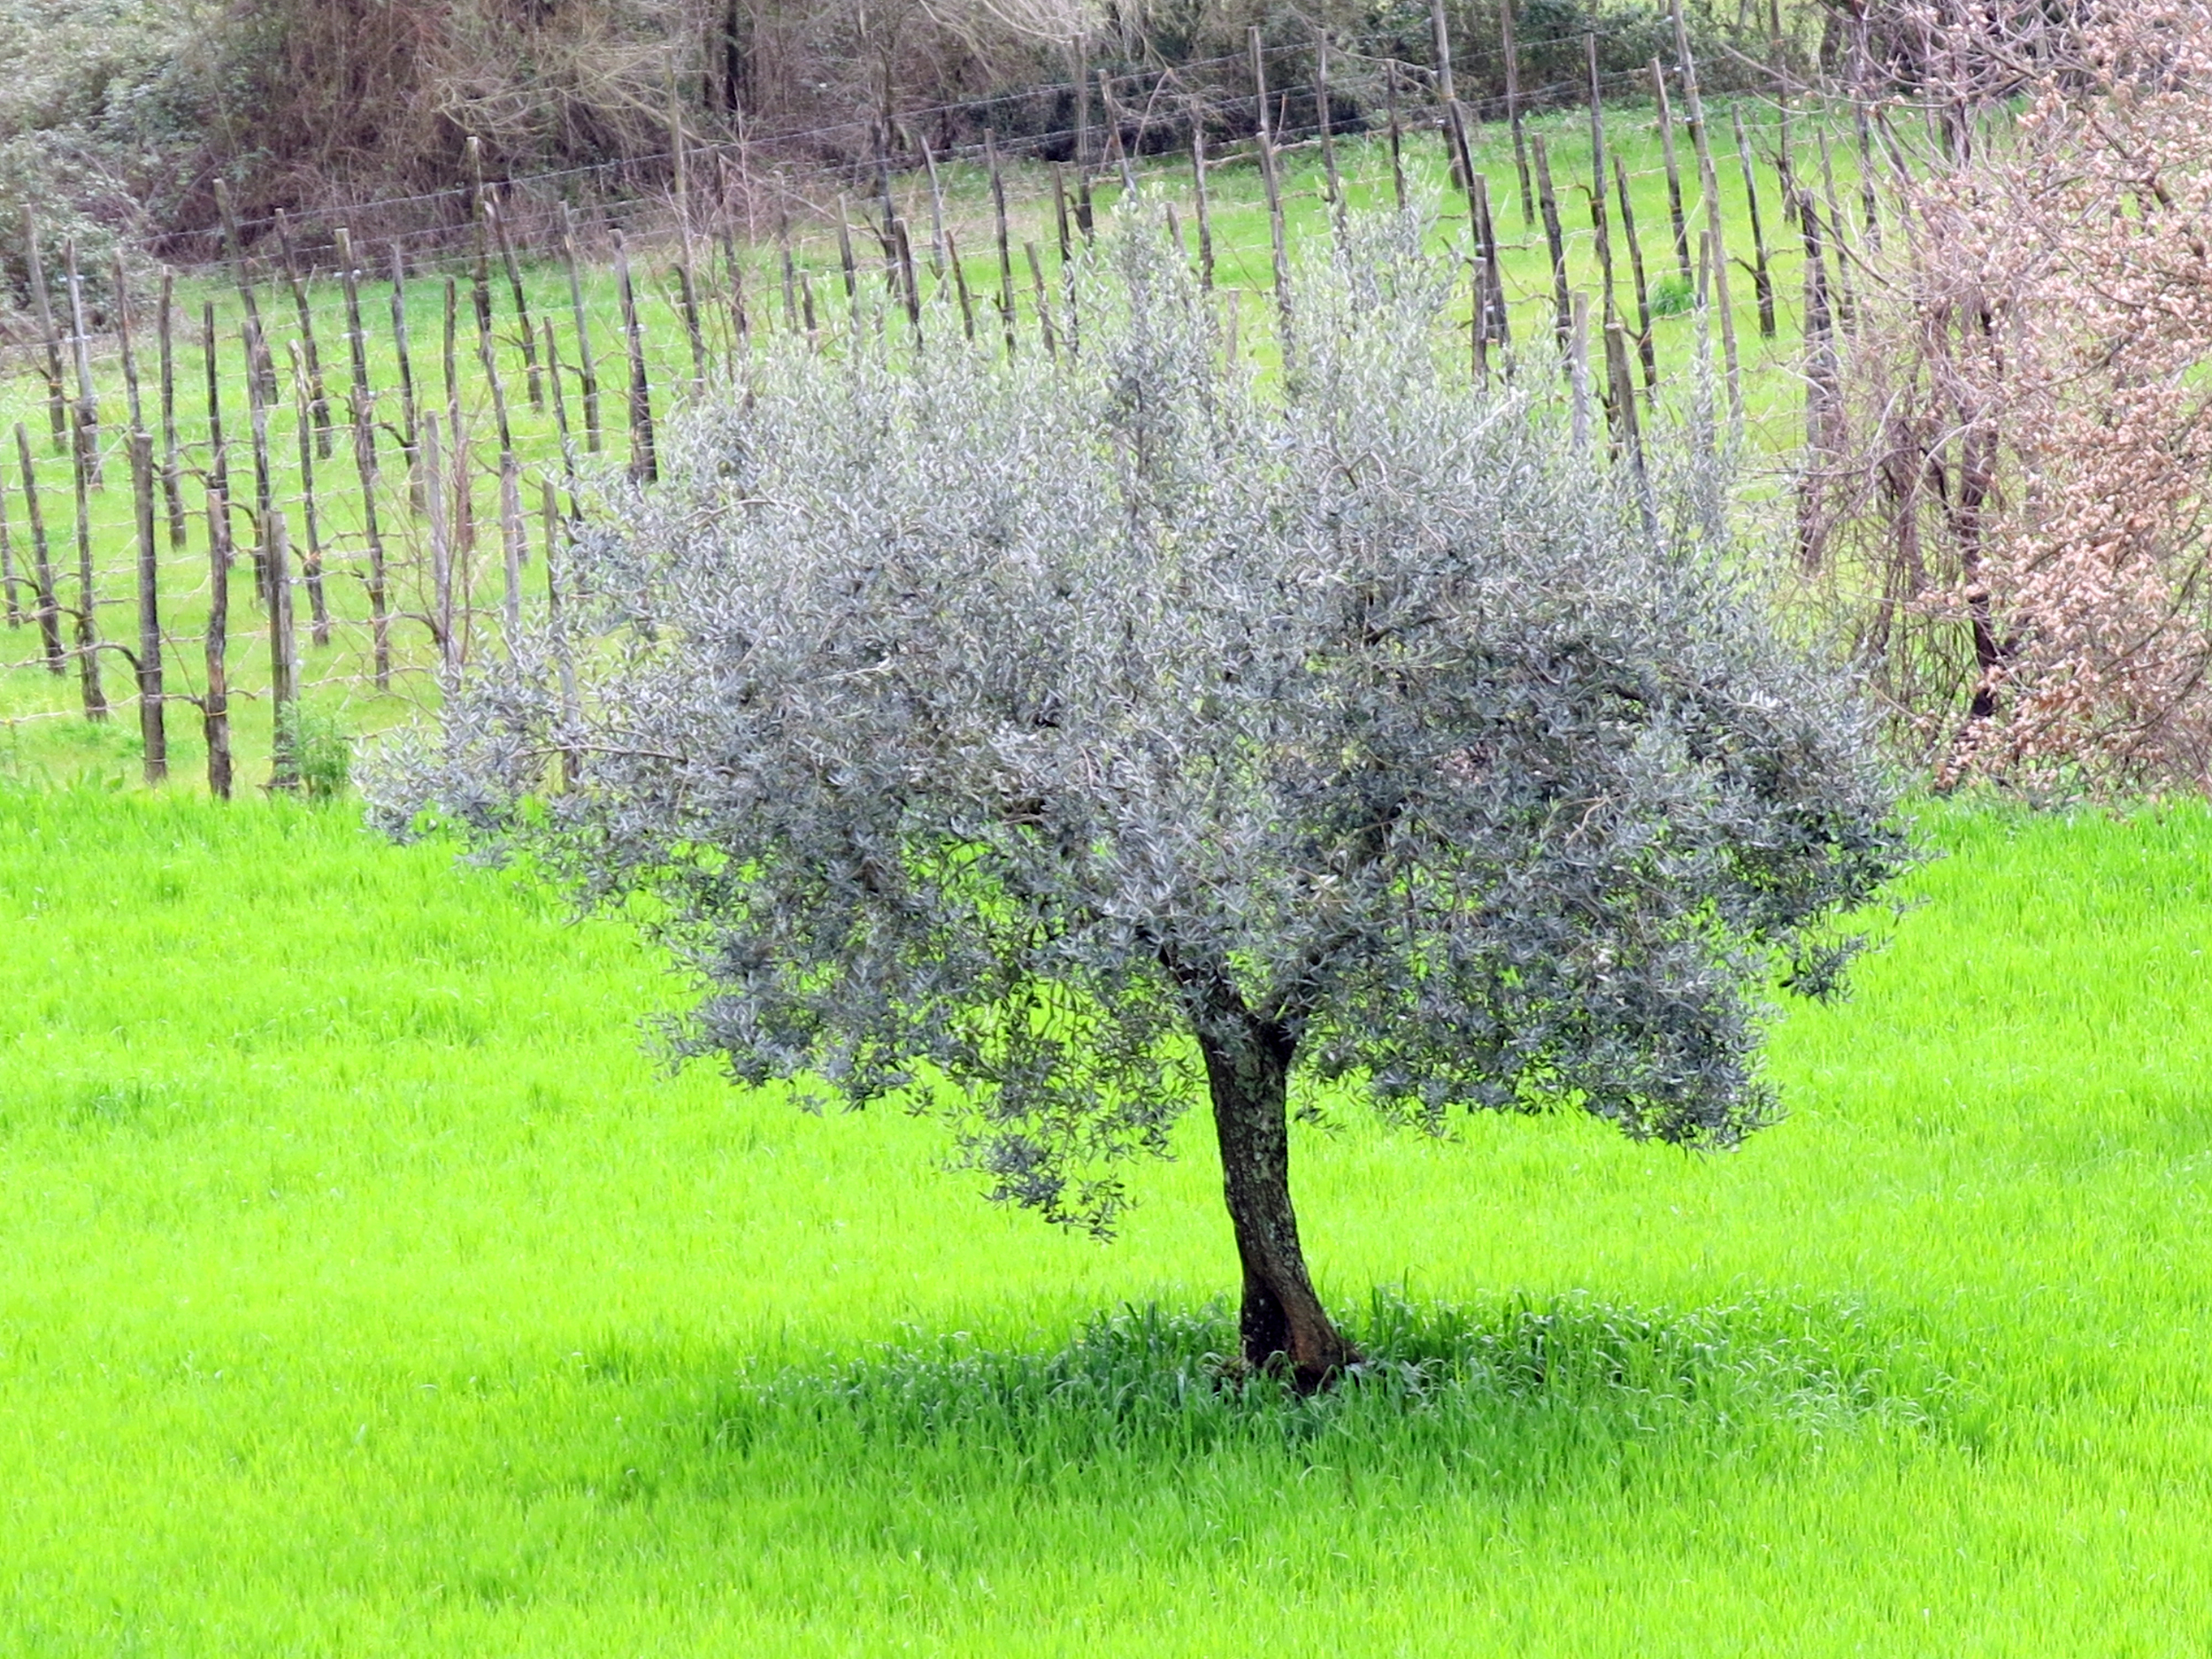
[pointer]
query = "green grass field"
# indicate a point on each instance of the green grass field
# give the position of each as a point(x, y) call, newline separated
point(365, 1287)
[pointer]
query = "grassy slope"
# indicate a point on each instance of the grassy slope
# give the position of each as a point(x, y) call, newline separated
point(363, 1288)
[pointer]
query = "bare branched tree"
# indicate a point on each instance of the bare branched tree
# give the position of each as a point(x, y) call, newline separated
point(2017, 526)
point(1051, 745)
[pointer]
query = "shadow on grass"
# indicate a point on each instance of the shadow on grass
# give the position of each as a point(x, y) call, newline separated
point(1518, 1387)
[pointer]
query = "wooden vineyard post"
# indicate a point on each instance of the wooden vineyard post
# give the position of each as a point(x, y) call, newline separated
point(1868, 203)
point(1085, 218)
point(318, 396)
point(215, 700)
point(1778, 63)
point(7, 562)
point(487, 359)
point(1710, 185)
point(790, 275)
point(409, 414)
point(49, 336)
point(521, 299)
point(1846, 302)
point(42, 560)
point(960, 285)
point(1762, 278)
point(1619, 410)
point(845, 257)
point(1563, 305)
point(1629, 427)
point(1440, 43)
point(1005, 250)
point(127, 347)
point(311, 561)
point(1199, 204)
point(1044, 305)
point(1265, 138)
point(1600, 219)
point(1579, 367)
point(572, 715)
point(171, 467)
point(512, 550)
point(1462, 158)
point(241, 273)
point(1115, 147)
point(264, 490)
point(1477, 319)
point(887, 230)
point(1621, 393)
point(1702, 424)
point(908, 280)
point(440, 548)
point(1083, 120)
point(8, 577)
point(587, 375)
point(549, 528)
point(460, 481)
point(1069, 301)
point(362, 407)
point(1645, 350)
point(509, 505)
point(560, 418)
point(151, 730)
point(734, 296)
point(687, 301)
point(153, 742)
point(937, 207)
point(1512, 56)
point(87, 422)
point(1397, 139)
point(1674, 172)
point(218, 450)
point(1823, 397)
point(643, 463)
point(481, 268)
point(457, 460)
point(1496, 328)
point(1328, 143)
point(96, 702)
point(284, 673)
point(448, 355)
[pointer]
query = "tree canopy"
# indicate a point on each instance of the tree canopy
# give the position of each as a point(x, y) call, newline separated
point(1053, 743)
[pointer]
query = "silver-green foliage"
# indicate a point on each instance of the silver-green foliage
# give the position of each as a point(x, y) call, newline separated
point(989, 729)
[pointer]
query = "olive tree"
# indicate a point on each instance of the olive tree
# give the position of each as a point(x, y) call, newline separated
point(1050, 744)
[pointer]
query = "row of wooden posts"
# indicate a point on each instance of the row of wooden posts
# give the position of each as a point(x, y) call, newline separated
point(436, 451)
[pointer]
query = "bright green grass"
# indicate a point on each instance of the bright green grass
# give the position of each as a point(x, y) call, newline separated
point(364, 1288)
point(42, 734)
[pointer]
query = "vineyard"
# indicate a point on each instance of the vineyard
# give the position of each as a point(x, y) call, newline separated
point(316, 469)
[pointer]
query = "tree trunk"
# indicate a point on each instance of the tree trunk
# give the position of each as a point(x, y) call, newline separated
point(1247, 1072)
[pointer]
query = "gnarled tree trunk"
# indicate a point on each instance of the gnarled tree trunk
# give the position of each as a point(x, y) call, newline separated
point(1248, 1073)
